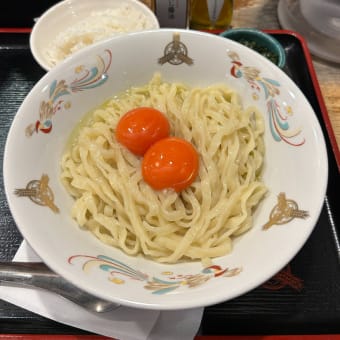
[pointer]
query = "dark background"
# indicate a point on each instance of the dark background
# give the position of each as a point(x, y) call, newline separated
point(21, 13)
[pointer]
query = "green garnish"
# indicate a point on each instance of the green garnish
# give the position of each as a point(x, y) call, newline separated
point(260, 49)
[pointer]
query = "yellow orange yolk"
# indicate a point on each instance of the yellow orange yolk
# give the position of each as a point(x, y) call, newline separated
point(139, 128)
point(170, 163)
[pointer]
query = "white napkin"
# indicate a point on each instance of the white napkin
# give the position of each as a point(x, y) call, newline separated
point(123, 323)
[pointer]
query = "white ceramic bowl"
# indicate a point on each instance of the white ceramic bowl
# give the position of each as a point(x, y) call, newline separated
point(68, 14)
point(295, 164)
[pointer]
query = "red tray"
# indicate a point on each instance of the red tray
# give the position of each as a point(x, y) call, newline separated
point(304, 298)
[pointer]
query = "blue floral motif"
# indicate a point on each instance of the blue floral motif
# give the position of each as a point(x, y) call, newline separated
point(86, 79)
point(278, 120)
point(119, 272)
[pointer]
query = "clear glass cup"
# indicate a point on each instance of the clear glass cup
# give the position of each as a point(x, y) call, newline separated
point(317, 21)
point(323, 16)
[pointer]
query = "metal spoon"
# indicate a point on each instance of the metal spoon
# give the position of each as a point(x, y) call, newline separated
point(38, 275)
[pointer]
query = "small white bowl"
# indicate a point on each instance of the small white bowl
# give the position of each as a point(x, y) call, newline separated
point(65, 15)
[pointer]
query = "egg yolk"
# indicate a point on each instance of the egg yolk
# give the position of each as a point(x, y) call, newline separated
point(139, 128)
point(170, 163)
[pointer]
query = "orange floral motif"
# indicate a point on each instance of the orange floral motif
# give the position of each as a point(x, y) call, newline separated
point(278, 114)
point(85, 79)
point(118, 271)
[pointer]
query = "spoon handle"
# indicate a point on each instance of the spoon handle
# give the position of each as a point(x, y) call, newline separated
point(25, 267)
point(35, 274)
point(38, 275)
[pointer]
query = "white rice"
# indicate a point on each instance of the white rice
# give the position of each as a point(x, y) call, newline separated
point(98, 26)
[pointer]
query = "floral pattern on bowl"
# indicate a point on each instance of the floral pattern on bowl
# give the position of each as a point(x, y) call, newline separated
point(164, 283)
point(85, 79)
point(277, 114)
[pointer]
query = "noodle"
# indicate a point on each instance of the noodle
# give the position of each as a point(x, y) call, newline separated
point(118, 207)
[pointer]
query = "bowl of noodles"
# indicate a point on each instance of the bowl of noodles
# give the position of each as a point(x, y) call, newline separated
point(232, 204)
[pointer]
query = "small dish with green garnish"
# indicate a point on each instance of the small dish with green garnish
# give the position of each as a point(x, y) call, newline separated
point(260, 42)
